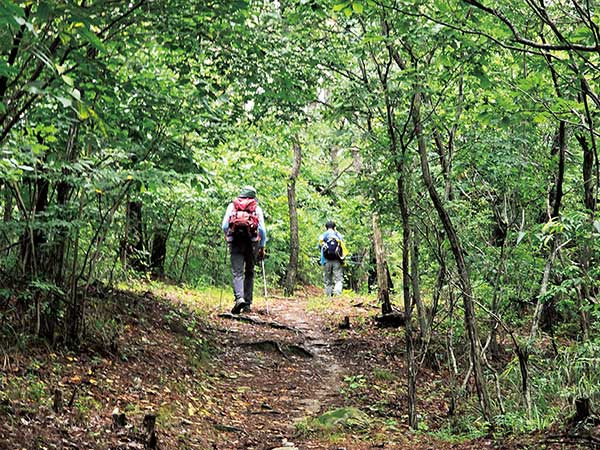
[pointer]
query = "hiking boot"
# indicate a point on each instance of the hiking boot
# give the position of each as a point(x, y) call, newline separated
point(239, 305)
point(247, 308)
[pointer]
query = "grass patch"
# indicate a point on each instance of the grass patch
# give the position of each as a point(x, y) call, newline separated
point(84, 406)
point(165, 417)
point(335, 422)
point(383, 374)
point(200, 299)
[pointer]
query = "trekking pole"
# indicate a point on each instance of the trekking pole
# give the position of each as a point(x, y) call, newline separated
point(262, 265)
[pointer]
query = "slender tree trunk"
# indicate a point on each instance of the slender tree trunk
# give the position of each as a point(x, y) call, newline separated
point(406, 231)
point(457, 250)
point(587, 173)
point(406, 283)
point(7, 214)
point(55, 261)
point(34, 237)
point(416, 288)
point(440, 280)
point(63, 191)
point(383, 292)
point(74, 319)
point(452, 366)
point(546, 310)
point(123, 252)
point(14, 51)
point(132, 249)
point(560, 148)
point(292, 269)
point(537, 313)
point(586, 251)
point(159, 246)
point(159, 250)
point(494, 347)
point(187, 250)
point(178, 249)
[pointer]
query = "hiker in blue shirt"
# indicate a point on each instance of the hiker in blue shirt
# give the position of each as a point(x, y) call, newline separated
point(245, 232)
point(333, 252)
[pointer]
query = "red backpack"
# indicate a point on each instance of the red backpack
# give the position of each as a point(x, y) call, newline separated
point(243, 221)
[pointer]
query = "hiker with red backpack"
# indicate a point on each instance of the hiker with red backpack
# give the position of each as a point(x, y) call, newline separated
point(245, 232)
point(333, 252)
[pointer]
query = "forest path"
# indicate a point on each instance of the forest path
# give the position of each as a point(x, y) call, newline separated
point(271, 394)
point(216, 381)
point(273, 378)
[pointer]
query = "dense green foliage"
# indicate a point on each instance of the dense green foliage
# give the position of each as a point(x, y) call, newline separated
point(127, 127)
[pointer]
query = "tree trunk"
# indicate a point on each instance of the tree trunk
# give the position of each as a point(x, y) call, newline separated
point(406, 283)
point(63, 191)
point(383, 293)
point(587, 173)
point(159, 251)
point(494, 346)
point(543, 310)
point(186, 256)
point(7, 214)
point(56, 261)
point(559, 147)
point(292, 269)
point(586, 251)
point(132, 245)
point(416, 288)
point(406, 237)
point(457, 251)
point(159, 246)
point(34, 237)
point(437, 290)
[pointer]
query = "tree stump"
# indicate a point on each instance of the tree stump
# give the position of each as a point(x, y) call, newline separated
point(118, 419)
point(57, 403)
point(150, 440)
point(583, 409)
point(392, 320)
point(345, 325)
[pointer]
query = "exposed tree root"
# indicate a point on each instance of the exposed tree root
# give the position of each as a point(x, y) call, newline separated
point(253, 321)
point(284, 350)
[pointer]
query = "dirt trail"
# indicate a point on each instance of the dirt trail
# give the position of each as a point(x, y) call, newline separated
point(269, 384)
point(226, 384)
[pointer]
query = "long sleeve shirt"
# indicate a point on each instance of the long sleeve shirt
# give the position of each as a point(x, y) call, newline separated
point(262, 230)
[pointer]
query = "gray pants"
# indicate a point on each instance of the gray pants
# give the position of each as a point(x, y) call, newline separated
point(243, 259)
point(333, 275)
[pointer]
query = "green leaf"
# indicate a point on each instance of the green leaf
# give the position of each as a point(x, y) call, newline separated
point(43, 11)
point(92, 38)
point(357, 7)
point(339, 6)
point(68, 80)
point(76, 94)
point(66, 102)
point(9, 11)
point(21, 21)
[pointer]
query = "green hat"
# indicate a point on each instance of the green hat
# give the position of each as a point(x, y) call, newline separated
point(248, 192)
